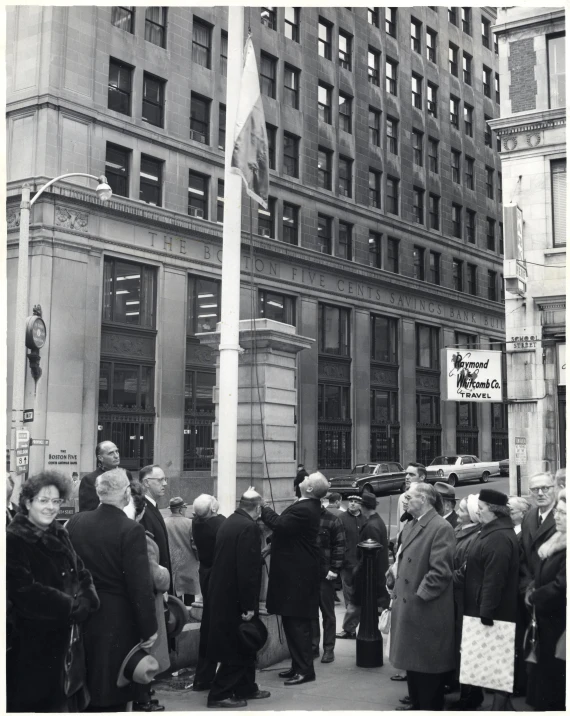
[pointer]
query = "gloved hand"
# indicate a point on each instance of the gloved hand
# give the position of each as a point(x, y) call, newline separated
point(80, 610)
point(487, 622)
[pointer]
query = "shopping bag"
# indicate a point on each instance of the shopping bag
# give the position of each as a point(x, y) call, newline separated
point(384, 622)
point(530, 641)
point(488, 654)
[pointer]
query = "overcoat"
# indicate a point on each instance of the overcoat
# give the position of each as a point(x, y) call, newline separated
point(491, 577)
point(204, 533)
point(465, 538)
point(235, 581)
point(532, 536)
point(182, 558)
point(87, 494)
point(374, 529)
point(353, 525)
point(160, 581)
point(44, 576)
point(153, 522)
point(294, 576)
point(113, 548)
point(422, 608)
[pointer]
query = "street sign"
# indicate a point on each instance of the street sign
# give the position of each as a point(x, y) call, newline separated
point(28, 416)
point(22, 451)
point(22, 437)
point(38, 441)
point(520, 451)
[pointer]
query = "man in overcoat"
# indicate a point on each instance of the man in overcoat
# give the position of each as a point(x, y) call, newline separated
point(233, 597)
point(113, 548)
point(182, 557)
point(154, 483)
point(422, 641)
point(293, 590)
point(537, 526)
point(107, 458)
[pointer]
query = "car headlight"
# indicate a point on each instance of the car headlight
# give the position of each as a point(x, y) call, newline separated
point(353, 484)
point(440, 473)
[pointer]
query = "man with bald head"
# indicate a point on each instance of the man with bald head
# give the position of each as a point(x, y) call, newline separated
point(107, 458)
point(294, 576)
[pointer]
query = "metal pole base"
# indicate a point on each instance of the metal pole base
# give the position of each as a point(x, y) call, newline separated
point(369, 652)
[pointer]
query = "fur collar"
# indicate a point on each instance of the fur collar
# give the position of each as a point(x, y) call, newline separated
point(55, 538)
point(554, 544)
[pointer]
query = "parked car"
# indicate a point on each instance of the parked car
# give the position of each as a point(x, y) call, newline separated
point(460, 468)
point(374, 478)
point(504, 467)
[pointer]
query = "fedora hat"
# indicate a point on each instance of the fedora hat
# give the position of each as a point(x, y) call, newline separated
point(138, 666)
point(446, 491)
point(252, 635)
point(176, 615)
point(369, 501)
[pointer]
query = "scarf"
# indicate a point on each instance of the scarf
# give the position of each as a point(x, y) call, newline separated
point(472, 507)
point(554, 544)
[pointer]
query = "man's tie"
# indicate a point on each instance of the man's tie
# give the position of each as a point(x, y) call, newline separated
point(540, 519)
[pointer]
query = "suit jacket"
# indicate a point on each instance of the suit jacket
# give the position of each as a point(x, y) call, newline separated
point(153, 522)
point(452, 518)
point(88, 497)
point(294, 576)
point(530, 539)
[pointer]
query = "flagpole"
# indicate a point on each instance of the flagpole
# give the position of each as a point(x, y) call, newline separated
point(231, 265)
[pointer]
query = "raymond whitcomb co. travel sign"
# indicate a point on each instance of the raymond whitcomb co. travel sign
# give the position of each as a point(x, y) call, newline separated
point(471, 375)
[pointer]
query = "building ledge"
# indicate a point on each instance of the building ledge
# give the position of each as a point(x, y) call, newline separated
point(529, 21)
point(528, 121)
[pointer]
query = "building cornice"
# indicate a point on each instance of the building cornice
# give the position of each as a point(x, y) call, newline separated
point(532, 21)
point(528, 121)
point(550, 303)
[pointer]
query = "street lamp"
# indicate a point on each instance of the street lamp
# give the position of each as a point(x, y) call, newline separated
point(104, 193)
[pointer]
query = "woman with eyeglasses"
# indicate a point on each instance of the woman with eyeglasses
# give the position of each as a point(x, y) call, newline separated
point(50, 590)
point(547, 596)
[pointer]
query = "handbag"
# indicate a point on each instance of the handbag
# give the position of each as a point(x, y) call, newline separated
point(385, 620)
point(530, 642)
point(74, 663)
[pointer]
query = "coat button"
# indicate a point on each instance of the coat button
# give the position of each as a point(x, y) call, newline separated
point(409, 559)
point(406, 581)
point(404, 600)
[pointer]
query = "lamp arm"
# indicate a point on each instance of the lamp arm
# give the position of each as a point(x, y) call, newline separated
point(63, 176)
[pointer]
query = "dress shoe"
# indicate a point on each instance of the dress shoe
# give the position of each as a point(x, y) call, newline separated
point(406, 700)
point(346, 635)
point(287, 674)
point(197, 686)
point(230, 703)
point(399, 677)
point(407, 707)
point(148, 706)
point(328, 657)
point(300, 679)
point(259, 695)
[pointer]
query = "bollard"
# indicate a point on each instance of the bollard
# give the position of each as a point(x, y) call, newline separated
point(369, 646)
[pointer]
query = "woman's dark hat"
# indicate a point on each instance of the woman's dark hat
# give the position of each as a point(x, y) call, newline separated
point(138, 666)
point(493, 497)
point(176, 615)
point(252, 635)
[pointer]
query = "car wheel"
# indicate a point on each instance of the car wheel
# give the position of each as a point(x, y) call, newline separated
point(485, 477)
point(367, 490)
point(453, 480)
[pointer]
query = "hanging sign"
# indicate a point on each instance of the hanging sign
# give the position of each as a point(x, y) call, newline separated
point(562, 364)
point(471, 375)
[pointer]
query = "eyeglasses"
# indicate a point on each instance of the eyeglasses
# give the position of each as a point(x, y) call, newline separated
point(537, 490)
point(562, 513)
point(44, 501)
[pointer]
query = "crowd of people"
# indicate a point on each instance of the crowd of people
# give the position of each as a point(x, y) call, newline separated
point(94, 606)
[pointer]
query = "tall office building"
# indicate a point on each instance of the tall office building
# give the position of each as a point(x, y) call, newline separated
point(382, 240)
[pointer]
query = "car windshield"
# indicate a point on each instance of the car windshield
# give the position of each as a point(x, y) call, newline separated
point(445, 460)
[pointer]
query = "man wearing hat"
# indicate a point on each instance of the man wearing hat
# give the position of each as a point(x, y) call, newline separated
point(447, 494)
point(491, 575)
point(182, 557)
point(374, 529)
point(299, 477)
point(353, 521)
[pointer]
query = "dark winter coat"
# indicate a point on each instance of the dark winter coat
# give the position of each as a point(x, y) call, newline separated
point(88, 497)
point(452, 518)
point(465, 538)
point(531, 538)
point(153, 522)
point(331, 542)
point(294, 578)
point(44, 578)
point(491, 576)
point(299, 477)
point(374, 529)
point(234, 585)
point(114, 548)
point(352, 526)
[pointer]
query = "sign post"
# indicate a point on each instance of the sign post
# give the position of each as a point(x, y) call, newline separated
point(520, 459)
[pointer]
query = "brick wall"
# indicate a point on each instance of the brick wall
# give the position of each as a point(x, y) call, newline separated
point(522, 61)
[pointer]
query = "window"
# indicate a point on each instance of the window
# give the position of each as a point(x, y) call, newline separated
point(224, 54)
point(499, 187)
point(419, 263)
point(127, 386)
point(468, 119)
point(457, 273)
point(123, 18)
point(374, 249)
point(374, 126)
point(345, 50)
point(466, 20)
point(501, 239)
point(418, 205)
point(292, 23)
point(427, 347)
point(486, 81)
point(291, 86)
point(324, 168)
point(150, 181)
point(198, 195)
point(324, 234)
point(453, 59)
point(432, 100)
point(416, 35)
point(467, 64)
point(383, 339)
point(470, 219)
point(417, 147)
point(290, 226)
point(153, 100)
point(558, 181)
point(433, 152)
point(431, 45)
point(452, 15)
point(373, 67)
point(199, 415)
point(490, 234)
point(324, 104)
point(417, 91)
point(325, 33)
point(334, 331)
point(373, 16)
point(392, 77)
point(467, 435)
point(290, 155)
point(266, 219)
point(201, 43)
point(391, 21)
point(345, 176)
point(271, 144)
point(277, 307)
point(472, 279)
point(344, 241)
point(155, 26)
point(268, 16)
point(392, 134)
point(492, 285)
point(222, 127)
point(334, 436)
point(488, 133)
point(454, 112)
point(117, 169)
point(469, 173)
point(556, 71)
point(200, 119)
point(204, 305)
point(345, 113)
point(393, 255)
point(489, 173)
point(119, 96)
point(434, 212)
point(267, 72)
point(497, 88)
point(220, 202)
point(456, 166)
point(434, 268)
point(428, 413)
point(456, 220)
point(374, 183)
point(486, 32)
point(392, 191)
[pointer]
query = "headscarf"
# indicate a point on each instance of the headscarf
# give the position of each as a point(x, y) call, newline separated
point(473, 508)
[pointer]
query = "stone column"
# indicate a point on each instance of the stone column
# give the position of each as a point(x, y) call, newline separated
point(307, 386)
point(408, 393)
point(448, 409)
point(484, 418)
point(361, 386)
